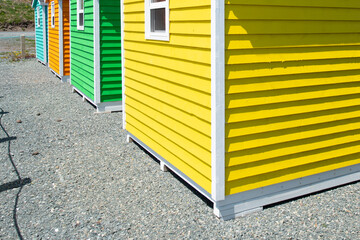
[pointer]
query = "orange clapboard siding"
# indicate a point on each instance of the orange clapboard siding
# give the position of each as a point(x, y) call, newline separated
point(66, 35)
point(54, 39)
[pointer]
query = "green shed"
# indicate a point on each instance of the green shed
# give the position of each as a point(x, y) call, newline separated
point(96, 52)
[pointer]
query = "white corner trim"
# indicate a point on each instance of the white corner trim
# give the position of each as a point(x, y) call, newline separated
point(61, 39)
point(122, 63)
point(218, 99)
point(97, 97)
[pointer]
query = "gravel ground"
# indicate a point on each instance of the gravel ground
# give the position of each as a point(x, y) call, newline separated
point(88, 183)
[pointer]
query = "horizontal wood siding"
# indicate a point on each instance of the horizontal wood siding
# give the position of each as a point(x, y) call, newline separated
point(66, 36)
point(54, 39)
point(82, 50)
point(110, 51)
point(39, 34)
point(168, 86)
point(292, 89)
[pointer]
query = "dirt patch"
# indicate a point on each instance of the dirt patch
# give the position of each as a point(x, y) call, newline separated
point(16, 15)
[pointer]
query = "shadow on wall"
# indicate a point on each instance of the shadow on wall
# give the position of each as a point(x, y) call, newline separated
point(292, 85)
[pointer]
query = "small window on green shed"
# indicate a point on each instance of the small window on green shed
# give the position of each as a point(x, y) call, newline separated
point(38, 16)
point(80, 14)
point(52, 14)
point(157, 20)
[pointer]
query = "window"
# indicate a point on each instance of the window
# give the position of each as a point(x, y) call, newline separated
point(80, 14)
point(38, 16)
point(157, 19)
point(52, 14)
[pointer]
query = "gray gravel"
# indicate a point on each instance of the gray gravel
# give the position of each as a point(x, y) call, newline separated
point(88, 183)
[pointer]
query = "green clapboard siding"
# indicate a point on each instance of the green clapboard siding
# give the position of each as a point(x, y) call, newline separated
point(82, 51)
point(110, 51)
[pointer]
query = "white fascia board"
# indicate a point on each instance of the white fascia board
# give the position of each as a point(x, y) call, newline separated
point(122, 63)
point(97, 97)
point(218, 99)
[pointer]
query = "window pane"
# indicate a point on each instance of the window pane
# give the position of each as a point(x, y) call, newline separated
point(158, 19)
point(81, 4)
point(81, 19)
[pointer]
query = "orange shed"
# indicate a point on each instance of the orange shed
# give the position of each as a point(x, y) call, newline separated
point(59, 38)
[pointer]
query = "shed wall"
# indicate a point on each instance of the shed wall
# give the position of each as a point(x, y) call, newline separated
point(292, 89)
point(39, 34)
point(82, 50)
point(66, 37)
point(54, 39)
point(110, 51)
point(168, 86)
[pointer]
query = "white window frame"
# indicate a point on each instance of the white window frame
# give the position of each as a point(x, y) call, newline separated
point(156, 35)
point(78, 12)
point(52, 14)
point(38, 16)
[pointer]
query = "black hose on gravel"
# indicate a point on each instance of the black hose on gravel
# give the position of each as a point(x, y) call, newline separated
point(19, 183)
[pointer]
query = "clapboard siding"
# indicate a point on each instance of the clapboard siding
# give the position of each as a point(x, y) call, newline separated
point(66, 36)
point(292, 89)
point(82, 50)
point(110, 51)
point(54, 39)
point(39, 34)
point(168, 86)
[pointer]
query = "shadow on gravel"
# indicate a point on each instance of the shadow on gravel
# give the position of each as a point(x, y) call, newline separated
point(20, 182)
point(187, 185)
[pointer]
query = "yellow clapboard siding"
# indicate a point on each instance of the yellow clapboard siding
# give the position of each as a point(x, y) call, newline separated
point(197, 41)
point(277, 69)
point(191, 15)
point(289, 108)
point(267, 12)
point(291, 94)
point(202, 70)
point(290, 121)
point(202, 159)
point(292, 90)
point(290, 40)
point(253, 169)
point(287, 150)
point(178, 90)
point(189, 132)
point(245, 85)
point(182, 53)
point(290, 54)
point(181, 78)
point(179, 114)
point(233, 27)
point(168, 86)
point(157, 143)
point(290, 174)
point(288, 135)
point(299, 3)
point(195, 109)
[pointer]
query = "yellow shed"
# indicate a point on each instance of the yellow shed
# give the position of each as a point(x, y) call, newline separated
point(59, 38)
point(251, 102)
